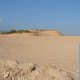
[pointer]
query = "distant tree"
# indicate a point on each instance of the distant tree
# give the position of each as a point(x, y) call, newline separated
point(27, 31)
point(13, 31)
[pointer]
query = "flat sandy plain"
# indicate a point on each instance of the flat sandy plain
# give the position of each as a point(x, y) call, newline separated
point(62, 51)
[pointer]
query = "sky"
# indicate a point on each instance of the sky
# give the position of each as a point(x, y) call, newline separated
point(62, 15)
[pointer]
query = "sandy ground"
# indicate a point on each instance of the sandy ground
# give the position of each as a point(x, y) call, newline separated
point(61, 51)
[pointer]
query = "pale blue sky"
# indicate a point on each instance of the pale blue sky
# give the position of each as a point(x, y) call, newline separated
point(63, 15)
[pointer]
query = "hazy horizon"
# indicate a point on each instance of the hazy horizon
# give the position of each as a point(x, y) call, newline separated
point(62, 15)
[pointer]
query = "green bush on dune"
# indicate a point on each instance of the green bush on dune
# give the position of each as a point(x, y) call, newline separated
point(13, 31)
point(23, 31)
point(20, 31)
point(9, 32)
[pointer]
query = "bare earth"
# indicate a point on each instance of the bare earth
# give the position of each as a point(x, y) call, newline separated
point(38, 55)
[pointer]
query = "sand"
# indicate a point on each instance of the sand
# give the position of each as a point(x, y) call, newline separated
point(13, 70)
point(61, 51)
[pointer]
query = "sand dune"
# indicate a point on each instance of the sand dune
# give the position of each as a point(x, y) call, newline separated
point(62, 51)
point(35, 33)
point(45, 32)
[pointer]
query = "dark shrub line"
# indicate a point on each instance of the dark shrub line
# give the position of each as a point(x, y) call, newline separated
point(15, 31)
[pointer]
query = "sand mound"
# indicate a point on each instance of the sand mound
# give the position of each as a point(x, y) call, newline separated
point(36, 33)
point(13, 70)
point(45, 33)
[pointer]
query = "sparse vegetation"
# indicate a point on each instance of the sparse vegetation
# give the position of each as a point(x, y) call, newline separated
point(15, 31)
point(9, 32)
point(23, 31)
point(35, 32)
point(27, 31)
